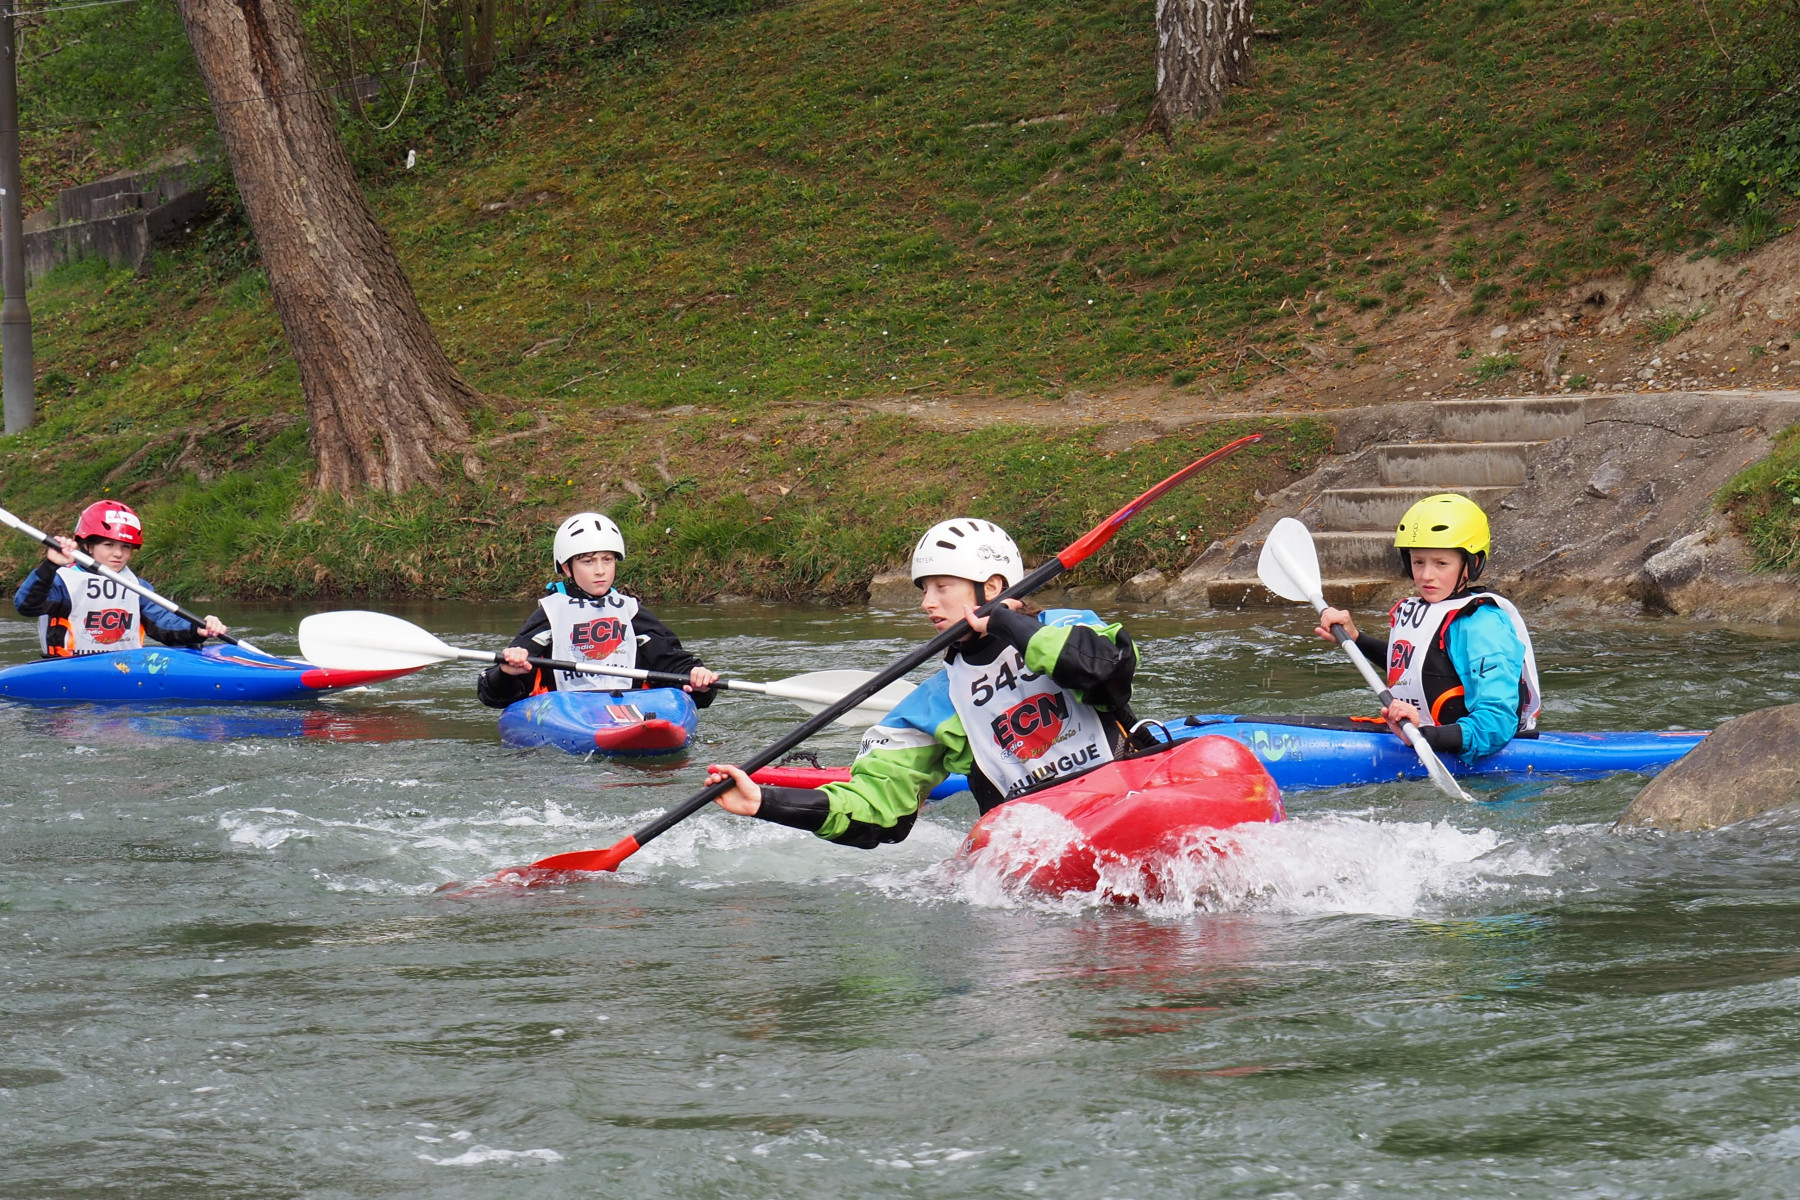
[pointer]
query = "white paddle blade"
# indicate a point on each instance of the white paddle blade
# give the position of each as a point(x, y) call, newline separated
point(816, 692)
point(368, 641)
point(1289, 565)
point(1434, 766)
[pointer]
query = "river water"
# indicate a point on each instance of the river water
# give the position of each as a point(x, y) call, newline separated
point(226, 971)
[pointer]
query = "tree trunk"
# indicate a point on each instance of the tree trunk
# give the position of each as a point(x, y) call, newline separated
point(382, 399)
point(1202, 48)
point(478, 41)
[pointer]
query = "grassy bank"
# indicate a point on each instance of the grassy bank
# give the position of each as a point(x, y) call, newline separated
point(791, 500)
point(1764, 504)
point(770, 217)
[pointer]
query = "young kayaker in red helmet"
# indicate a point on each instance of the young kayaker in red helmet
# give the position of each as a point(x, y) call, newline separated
point(1024, 700)
point(81, 612)
point(584, 617)
point(1459, 658)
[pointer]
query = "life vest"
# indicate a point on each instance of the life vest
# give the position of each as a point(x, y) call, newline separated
point(1419, 670)
point(595, 629)
point(1023, 729)
point(103, 616)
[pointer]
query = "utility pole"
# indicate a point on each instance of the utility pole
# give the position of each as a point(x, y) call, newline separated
point(16, 366)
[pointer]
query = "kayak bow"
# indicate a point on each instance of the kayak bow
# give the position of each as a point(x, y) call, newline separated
point(177, 675)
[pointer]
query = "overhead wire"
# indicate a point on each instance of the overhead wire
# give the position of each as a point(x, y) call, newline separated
point(264, 99)
point(549, 51)
point(412, 73)
point(26, 10)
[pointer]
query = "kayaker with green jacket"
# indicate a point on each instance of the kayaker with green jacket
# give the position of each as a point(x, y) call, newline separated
point(1459, 659)
point(1025, 699)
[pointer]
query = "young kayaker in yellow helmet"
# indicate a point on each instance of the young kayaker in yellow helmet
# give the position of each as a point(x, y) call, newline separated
point(1459, 658)
point(584, 617)
point(1024, 700)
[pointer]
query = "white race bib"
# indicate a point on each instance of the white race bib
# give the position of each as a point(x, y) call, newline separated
point(592, 630)
point(1023, 729)
point(103, 615)
point(1413, 629)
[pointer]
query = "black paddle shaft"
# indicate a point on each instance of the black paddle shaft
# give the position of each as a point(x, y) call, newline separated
point(850, 700)
point(660, 678)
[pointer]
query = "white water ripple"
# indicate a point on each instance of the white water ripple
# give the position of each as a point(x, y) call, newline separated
point(1316, 866)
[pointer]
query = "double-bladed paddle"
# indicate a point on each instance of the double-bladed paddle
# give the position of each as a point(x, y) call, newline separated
point(1084, 546)
point(87, 560)
point(372, 641)
point(1289, 567)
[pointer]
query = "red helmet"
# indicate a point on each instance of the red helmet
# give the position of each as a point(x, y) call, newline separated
point(110, 519)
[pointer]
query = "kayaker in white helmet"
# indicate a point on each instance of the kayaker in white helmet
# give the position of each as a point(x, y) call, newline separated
point(584, 617)
point(1459, 659)
point(1027, 699)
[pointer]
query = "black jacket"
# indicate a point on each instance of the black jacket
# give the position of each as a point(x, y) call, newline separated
point(658, 650)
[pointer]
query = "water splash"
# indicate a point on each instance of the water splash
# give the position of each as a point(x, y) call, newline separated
point(1304, 867)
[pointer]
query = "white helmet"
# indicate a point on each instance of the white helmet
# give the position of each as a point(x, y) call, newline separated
point(967, 549)
point(585, 533)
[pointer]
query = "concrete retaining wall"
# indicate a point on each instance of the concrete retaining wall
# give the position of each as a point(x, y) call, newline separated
point(120, 219)
point(1598, 503)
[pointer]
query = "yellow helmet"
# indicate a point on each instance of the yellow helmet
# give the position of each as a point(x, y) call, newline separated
point(1445, 522)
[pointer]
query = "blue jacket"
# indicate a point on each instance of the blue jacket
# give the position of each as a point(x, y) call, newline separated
point(1486, 651)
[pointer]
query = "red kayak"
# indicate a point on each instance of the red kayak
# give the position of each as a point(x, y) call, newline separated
point(1115, 829)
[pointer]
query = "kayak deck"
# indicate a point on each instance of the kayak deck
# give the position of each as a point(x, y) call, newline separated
point(163, 675)
point(1307, 753)
point(1313, 753)
point(643, 723)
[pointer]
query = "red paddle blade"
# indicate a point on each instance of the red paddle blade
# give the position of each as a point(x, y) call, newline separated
point(1102, 533)
point(589, 860)
point(547, 872)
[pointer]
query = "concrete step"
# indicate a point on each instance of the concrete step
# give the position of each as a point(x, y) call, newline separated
point(1535, 420)
point(1451, 464)
point(1359, 555)
point(1358, 509)
point(1341, 593)
point(115, 205)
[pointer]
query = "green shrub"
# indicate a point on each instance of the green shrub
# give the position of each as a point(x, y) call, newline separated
point(1493, 366)
point(1764, 504)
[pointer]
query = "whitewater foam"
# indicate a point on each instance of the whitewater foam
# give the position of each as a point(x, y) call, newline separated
point(1303, 867)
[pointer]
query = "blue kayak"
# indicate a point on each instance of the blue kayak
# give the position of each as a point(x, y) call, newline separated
point(1310, 753)
point(1307, 753)
point(164, 675)
point(634, 724)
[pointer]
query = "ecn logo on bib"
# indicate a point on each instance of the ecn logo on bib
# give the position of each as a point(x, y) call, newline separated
point(597, 638)
point(1032, 726)
point(1400, 656)
point(108, 625)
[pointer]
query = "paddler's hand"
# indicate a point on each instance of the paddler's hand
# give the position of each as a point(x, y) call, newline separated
point(1398, 711)
point(744, 799)
point(979, 625)
point(512, 661)
point(212, 627)
point(1336, 616)
point(699, 679)
point(63, 553)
